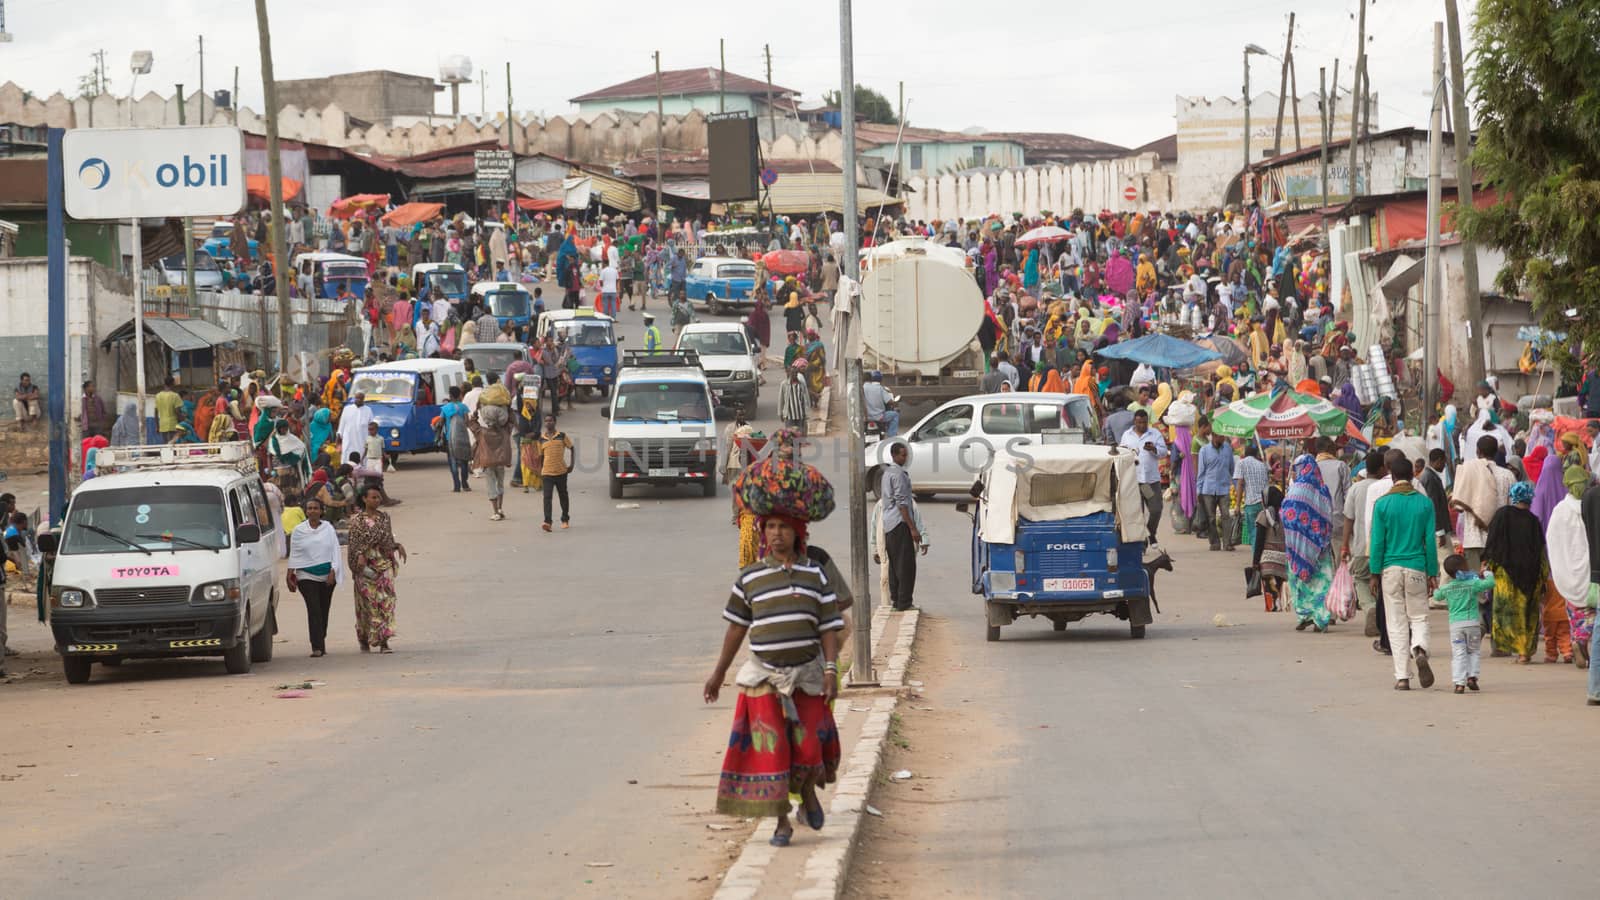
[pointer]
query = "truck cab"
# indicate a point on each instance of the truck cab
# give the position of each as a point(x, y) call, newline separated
point(662, 430)
point(728, 359)
point(172, 553)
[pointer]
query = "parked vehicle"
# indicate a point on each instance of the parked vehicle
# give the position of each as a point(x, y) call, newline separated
point(1060, 532)
point(404, 396)
point(720, 283)
point(729, 360)
point(220, 243)
point(430, 280)
point(171, 552)
point(509, 303)
point(661, 429)
point(593, 340)
point(325, 274)
point(207, 274)
point(953, 444)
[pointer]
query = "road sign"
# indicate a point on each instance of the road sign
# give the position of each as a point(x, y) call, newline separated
point(1130, 193)
point(494, 173)
point(769, 176)
point(125, 173)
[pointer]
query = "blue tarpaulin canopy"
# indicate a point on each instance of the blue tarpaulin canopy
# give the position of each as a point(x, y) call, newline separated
point(1161, 351)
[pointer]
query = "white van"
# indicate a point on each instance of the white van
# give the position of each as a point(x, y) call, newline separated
point(662, 427)
point(175, 554)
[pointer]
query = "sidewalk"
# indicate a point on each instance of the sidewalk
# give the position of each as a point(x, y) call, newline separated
point(814, 866)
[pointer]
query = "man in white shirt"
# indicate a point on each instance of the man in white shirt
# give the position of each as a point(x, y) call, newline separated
point(1147, 443)
point(608, 289)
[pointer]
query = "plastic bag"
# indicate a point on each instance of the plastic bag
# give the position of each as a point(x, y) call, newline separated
point(1342, 594)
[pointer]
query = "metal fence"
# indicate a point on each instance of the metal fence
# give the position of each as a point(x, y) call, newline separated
point(316, 325)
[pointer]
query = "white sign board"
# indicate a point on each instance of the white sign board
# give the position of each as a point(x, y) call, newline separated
point(122, 173)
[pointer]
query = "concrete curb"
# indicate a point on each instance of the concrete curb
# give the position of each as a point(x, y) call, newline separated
point(822, 877)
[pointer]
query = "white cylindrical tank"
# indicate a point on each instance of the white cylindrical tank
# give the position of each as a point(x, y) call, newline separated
point(918, 313)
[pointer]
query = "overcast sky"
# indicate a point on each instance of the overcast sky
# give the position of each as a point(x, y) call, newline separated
point(1108, 71)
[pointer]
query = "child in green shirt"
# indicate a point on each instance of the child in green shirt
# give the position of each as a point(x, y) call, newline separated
point(1461, 592)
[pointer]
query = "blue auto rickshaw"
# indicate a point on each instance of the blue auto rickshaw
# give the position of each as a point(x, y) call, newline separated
point(405, 395)
point(1060, 532)
point(431, 281)
point(509, 303)
point(592, 338)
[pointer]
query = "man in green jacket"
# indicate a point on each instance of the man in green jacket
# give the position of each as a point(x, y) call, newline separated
point(1405, 566)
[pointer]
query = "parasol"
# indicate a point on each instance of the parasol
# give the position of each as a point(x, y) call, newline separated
point(1044, 234)
point(1162, 351)
point(347, 207)
point(1289, 416)
point(1231, 351)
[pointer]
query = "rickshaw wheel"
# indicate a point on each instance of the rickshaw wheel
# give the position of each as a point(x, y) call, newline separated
point(992, 634)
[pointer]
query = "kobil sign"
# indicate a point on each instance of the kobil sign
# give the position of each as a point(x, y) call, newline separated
point(125, 173)
point(493, 171)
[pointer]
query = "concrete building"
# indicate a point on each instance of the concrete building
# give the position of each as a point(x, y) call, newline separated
point(379, 96)
point(1211, 147)
point(684, 90)
point(930, 152)
point(1392, 162)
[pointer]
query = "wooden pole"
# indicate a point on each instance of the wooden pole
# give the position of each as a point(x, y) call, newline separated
point(1356, 93)
point(280, 270)
point(1294, 93)
point(1462, 132)
point(1283, 88)
point(661, 126)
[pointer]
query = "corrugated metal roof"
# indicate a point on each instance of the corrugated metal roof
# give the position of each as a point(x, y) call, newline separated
point(181, 335)
point(705, 80)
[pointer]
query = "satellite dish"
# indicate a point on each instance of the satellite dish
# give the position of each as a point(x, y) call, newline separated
point(455, 69)
point(141, 62)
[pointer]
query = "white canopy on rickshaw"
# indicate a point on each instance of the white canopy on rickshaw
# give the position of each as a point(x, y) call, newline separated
point(1051, 482)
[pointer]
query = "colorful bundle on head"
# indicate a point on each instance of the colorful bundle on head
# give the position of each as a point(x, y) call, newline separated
point(783, 486)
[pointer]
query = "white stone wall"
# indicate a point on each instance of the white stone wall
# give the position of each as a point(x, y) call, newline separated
point(1030, 191)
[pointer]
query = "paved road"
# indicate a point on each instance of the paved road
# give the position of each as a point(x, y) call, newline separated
point(542, 712)
point(1244, 761)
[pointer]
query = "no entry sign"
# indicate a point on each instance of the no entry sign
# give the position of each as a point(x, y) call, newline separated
point(1130, 193)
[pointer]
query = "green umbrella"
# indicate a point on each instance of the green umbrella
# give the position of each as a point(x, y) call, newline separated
point(1288, 416)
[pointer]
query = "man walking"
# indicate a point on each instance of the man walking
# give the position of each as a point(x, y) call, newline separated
point(1213, 480)
point(900, 535)
point(1357, 528)
point(1146, 442)
point(794, 400)
point(554, 449)
point(1251, 475)
point(169, 410)
point(1405, 565)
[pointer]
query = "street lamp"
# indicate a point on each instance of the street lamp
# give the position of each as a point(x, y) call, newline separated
point(1248, 49)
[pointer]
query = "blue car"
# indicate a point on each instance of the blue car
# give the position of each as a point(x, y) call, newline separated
point(405, 396)
point(1060, 532)
point(720, 283)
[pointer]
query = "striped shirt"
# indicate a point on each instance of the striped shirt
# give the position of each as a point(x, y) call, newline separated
point(794, 401)
point(786, 610)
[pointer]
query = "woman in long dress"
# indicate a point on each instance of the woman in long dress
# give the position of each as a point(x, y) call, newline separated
point(314, 570)
point(1515, 552)
point(1271, 556)
point(374, 557)
point(1308, 538)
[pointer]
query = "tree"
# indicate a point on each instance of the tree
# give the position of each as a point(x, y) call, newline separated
point(1537, 81)
point(869, 103)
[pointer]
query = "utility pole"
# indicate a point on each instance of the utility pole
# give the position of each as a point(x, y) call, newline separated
point(1244, 178)
point(1463, 140)
point(661, 127)
point(269, 87)
point(1432, 282)
point(861, 673)
point(233, 100)
point(1294, 93)
point(1356, 95)
point(188, 223)
point(508, 107)
point(1322, 109)
point(722, 74)
point(1283, 88)
point(204, 119)
point(772, 123)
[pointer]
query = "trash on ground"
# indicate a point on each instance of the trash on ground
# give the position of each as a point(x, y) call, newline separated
point(874, 811)
point(291, 695)
point(599, 865)
point(718, 826)
point(628, 506)
point(902, 775)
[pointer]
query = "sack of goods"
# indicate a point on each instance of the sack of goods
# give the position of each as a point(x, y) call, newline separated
point(780, 486)
point(1182, 413)
point(495, 395)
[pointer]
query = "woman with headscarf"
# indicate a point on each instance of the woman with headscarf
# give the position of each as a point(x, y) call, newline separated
point(290, 452)
point(816, 362)
point(1548, 489)
point(1346, 400)
point(374, 557)
point(1030, 272)
point(1270, 545)
point(1573, 453)
point(314, 570)
point(1584, 614)
point(1036, 380)
point(125, 432)
point(1085, 383)
point(222, 430)
point(320, 431)
point(1567, 545)
point(1308, 538)
point(1515, 553)
point(759, 325)
point(1534, 464)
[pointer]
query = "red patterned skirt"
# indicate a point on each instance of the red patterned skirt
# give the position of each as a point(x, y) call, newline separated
point(768, 757)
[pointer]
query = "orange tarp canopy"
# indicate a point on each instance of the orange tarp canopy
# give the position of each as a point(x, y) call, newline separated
point(412, 213)
point(345, 207)
point(259, 187)
point(533, 205)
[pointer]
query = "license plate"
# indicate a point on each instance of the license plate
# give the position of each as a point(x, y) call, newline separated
point(665, 473)
point(585, 381)
point(966, 373)
point(1069, 584)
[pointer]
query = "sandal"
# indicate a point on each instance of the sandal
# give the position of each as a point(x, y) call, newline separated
point(1461, 689)
point(780, 838)
point(365, 647)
